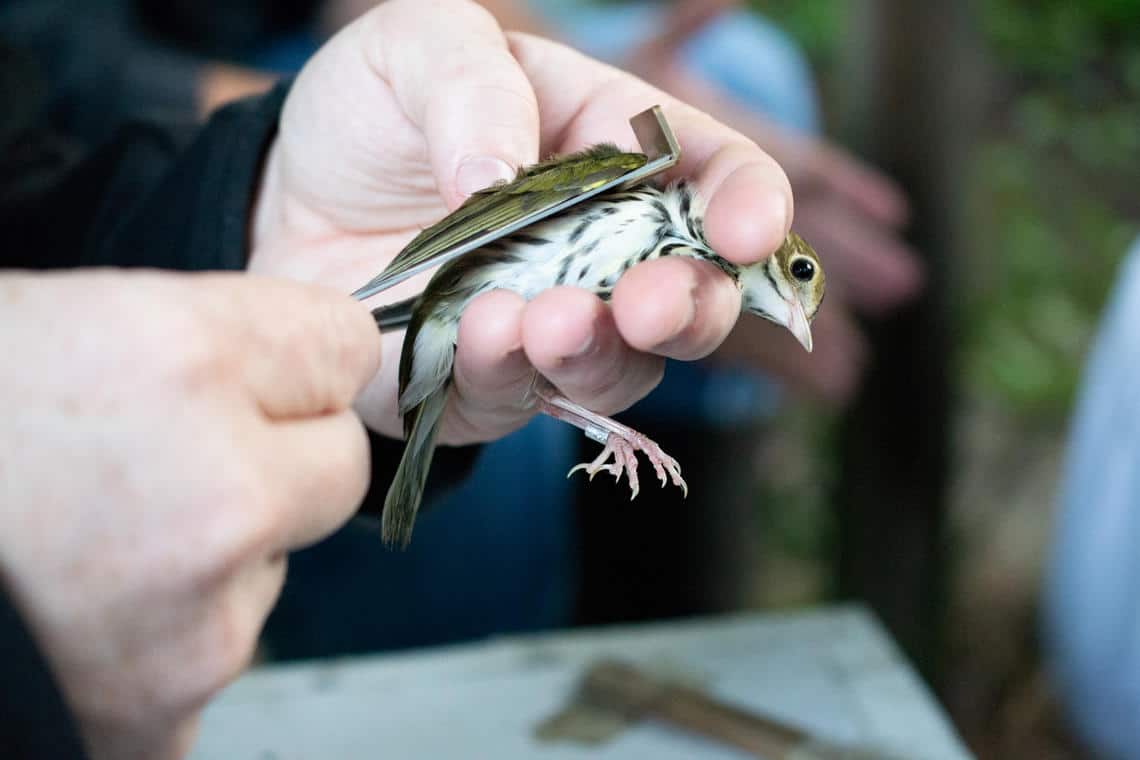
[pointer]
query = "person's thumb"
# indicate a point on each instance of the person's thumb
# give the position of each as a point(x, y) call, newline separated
point(307, 350)
point(449, 66)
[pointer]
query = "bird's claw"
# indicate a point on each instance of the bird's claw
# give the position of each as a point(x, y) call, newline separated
point(623, 449)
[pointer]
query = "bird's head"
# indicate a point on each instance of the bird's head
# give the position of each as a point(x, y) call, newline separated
point(786, 288)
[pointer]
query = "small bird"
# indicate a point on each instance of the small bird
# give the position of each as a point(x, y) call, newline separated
point(590, 245)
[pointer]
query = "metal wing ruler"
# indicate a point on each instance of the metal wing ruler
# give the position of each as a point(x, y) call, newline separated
point(657, 142)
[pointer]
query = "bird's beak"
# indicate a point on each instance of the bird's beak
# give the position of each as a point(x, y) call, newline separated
point(798, 324)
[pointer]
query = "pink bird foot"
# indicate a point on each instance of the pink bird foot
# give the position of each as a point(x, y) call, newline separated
point(621, 443)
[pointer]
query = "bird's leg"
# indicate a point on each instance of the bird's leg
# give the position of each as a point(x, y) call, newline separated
point(621, 443)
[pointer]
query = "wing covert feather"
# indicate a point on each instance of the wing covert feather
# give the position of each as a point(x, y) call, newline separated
point(541, 185)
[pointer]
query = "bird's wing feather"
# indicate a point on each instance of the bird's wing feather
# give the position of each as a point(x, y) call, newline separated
point(395, 316)
point(539, 186)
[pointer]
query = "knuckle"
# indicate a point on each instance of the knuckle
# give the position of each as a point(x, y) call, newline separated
point(234, 640)
point(355, 351)
point(237, 528)
point(339, 469)
point(466, 422)
point(606, 386)
point(347, 477)
point(190, 351)
point(327, 359)
point(224, 645)
point(172, 327)
point(493, 88)
point(625, 383)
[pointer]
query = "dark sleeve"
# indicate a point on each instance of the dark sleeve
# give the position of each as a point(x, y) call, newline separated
point(34, 720)
point(168, 197)
point(101, 66)
point(227, 30)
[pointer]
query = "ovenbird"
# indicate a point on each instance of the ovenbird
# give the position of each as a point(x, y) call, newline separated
point(589, 245)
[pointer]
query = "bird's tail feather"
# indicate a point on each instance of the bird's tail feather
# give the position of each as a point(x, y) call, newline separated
point(407, 489)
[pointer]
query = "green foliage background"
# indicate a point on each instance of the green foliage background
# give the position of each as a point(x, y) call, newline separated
point(1052, 205)
point(1054, 192)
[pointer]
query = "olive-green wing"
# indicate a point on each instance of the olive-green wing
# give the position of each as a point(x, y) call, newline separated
point(537, 187)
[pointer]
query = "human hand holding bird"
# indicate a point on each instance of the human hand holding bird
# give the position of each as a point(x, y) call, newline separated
point(590, 246)
point(851, 212)
point(410, 109)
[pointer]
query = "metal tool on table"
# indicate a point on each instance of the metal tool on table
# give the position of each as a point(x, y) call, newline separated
point(612, 696)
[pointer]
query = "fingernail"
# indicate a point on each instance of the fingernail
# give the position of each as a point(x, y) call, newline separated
point(479, 172)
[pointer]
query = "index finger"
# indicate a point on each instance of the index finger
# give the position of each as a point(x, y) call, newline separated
point(749, 196)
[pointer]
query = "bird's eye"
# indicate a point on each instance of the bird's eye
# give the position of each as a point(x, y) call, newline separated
point(803, 270)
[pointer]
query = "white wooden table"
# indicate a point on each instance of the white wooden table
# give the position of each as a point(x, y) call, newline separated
point(832, 672)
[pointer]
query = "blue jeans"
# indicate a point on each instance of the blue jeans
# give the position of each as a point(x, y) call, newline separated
point(1092, 596)
point(498, 553)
